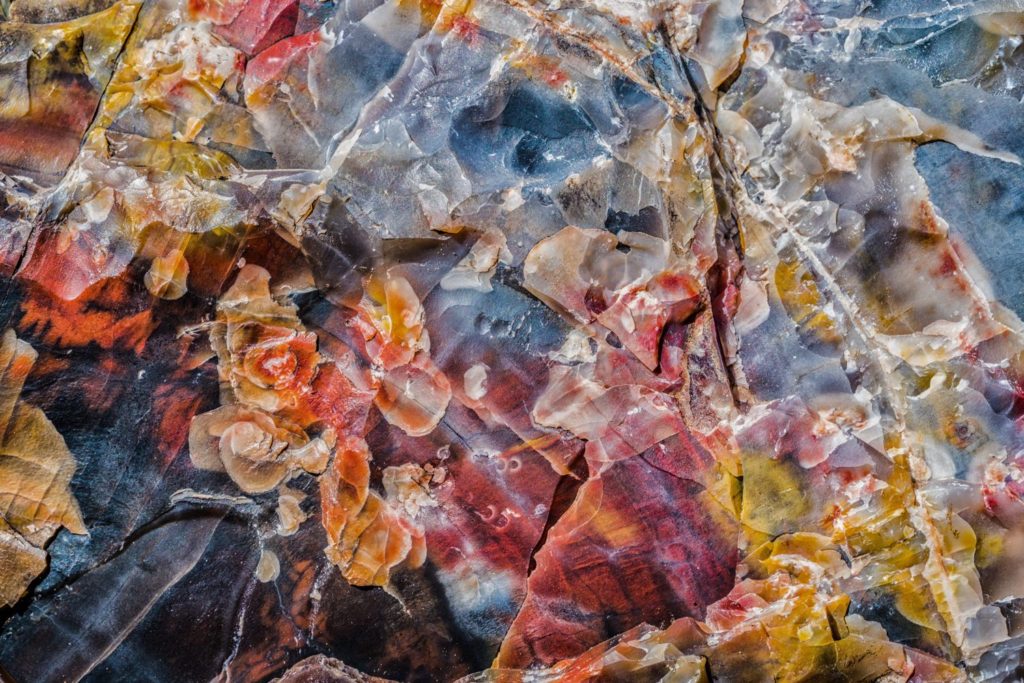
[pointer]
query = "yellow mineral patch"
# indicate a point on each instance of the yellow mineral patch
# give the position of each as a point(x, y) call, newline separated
point(35, 477)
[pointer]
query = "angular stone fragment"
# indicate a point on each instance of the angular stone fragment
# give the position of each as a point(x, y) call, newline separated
point(35, 476)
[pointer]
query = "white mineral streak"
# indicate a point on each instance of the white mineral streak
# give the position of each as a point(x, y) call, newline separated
point(192, 496)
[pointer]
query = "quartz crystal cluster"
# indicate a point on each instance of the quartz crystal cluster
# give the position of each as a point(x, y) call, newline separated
point(511, 340)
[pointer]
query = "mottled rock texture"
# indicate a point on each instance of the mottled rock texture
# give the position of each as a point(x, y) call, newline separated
point(502, 340)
